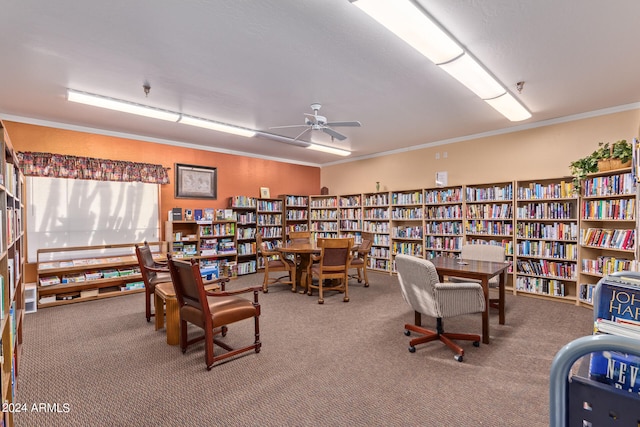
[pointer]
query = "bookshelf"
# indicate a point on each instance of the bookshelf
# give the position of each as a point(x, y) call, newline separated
point(323, 216)
point(244, 210)
point(607, 228)
point(269, 223)
point(443, 227)
point(546, 240)
point(82, 273)
point(296, 213)
point(489, 216)
point(407, 226)
point(212, 242)
point(351, 217)
point(376, 220)
point(12, 245)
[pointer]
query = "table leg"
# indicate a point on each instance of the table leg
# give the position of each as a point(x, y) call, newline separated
point(485, 313)
point(502, 284)
point(173, 321)
point(305, 260)
point(159, 309)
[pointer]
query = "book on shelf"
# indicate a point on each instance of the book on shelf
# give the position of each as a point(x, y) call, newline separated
point(197, 214)
point(175, 214)
point(617, 312)
point(49, 280)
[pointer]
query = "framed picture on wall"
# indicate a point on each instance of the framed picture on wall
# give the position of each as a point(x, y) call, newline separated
point(264, 192)
point(196, 182)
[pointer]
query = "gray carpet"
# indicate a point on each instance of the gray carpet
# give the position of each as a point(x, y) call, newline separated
point(337, 364)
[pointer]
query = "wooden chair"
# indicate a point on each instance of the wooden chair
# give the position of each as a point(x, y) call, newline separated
point(153, 272)
point(211, 311)
point(360, 260)
point(334, 262)
point(422, 290)
point(300, 236)
point(274, 262)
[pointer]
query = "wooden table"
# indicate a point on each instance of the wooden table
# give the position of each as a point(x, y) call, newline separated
point(167, 302)
point(478, 270)
point(303, 252)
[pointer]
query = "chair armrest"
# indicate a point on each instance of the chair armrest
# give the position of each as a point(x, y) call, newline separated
point(221, 280)
point(160, 263)
point(315, 257)
point(233, 292)
point(452, 286)
point(164, 269)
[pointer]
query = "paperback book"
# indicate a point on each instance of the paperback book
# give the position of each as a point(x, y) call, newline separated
point(617, 312)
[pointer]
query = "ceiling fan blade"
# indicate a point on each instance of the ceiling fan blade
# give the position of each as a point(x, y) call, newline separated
point(352, 124)
point(334, 134)
point(289, 126)
point(302, 133)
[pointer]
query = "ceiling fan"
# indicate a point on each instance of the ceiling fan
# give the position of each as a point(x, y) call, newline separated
point(317, 122)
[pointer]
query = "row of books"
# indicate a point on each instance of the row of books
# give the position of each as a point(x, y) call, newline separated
point(494, 210)
point(376, 199)
point(269, 206)
point(555, 231)
point(376, 227)
point(325, 202)
point(87, 276)
point(444, 212)
point(269, 220)
point(349, 201)
point(606, 265)
point(413, 198)
point(243, 202)
point(611, 185)
point(296, 201)
point(407, 213)
point(623, 209)
point(324, 226)
point(539, 285)
point(350, 213)
point(217, 229)
point(497, 228)
point(540, 248)
point(565, 270)
point(297, 215)
point(608, 238)
point(561, 190)
point(443, 243)
point(408, 248)
point(84, 262)
point(449, 195)
point(376, 213)
point(324, 214)
point(475, 194)
point(546, 210)
point(447, 227)
point(350, 225)
point(407, 232)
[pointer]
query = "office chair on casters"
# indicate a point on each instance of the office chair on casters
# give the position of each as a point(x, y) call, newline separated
point(211, 311)
point(153, 273)
point(423, 291)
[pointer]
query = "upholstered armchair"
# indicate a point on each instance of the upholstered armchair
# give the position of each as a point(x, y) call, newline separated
point(483, 252)
point(333, 262)
point(274, 262)
point(153, 273)
point(212, 311)
point(422, 290)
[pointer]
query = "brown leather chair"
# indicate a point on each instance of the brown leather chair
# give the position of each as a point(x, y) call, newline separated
point(361, 259)
point(211, 311)
point(274, 262)
point(153, 272)
point(333, 263)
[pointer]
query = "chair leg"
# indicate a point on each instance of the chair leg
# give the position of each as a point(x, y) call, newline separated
point(320, 290)
point(366, 278)
point(345, 283)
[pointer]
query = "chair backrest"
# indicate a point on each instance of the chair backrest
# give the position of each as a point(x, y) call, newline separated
point(261, 247)
point(335, 254)
point(482, 252)
point(417, 278)
point(300, 236)
point(366, 243)
point(188, 285)
point(145, 259)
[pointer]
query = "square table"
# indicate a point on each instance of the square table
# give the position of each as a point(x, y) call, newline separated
point(477, 270)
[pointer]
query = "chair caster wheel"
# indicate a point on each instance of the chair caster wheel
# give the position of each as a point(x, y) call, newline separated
point(458, 357)
point(412, 349)
point(476, 343)
point(407, 333)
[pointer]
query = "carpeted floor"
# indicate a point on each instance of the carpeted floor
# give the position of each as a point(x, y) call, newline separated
point(337, 364)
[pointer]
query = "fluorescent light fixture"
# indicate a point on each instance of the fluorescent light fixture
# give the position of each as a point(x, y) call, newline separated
point(120, 105)
point(470, 73)
point(330, 150)
point(220, 127)
point(404, 19)
point(509, 107)
point(413, 25)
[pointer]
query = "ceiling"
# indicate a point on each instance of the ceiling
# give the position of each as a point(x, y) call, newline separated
point(261, 63)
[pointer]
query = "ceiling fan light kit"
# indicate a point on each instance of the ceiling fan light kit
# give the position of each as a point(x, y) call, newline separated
point(317, 122)
point(413, 25)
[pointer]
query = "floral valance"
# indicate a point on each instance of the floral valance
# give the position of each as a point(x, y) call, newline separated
point(62, 166)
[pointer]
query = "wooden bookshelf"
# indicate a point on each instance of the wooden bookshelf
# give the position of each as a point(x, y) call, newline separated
point(84, 273)
point(407, 225)
point(608, 214)
point(350, 224)
point(212, 242)
point(296, 213)
point(244, 210)
point(323, 216)
point(443, 216)
point(269, 223)
point(12, 245)
point(546, 245)
point(376, 219)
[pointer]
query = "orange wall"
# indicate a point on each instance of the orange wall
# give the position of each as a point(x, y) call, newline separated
point(237, 175)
